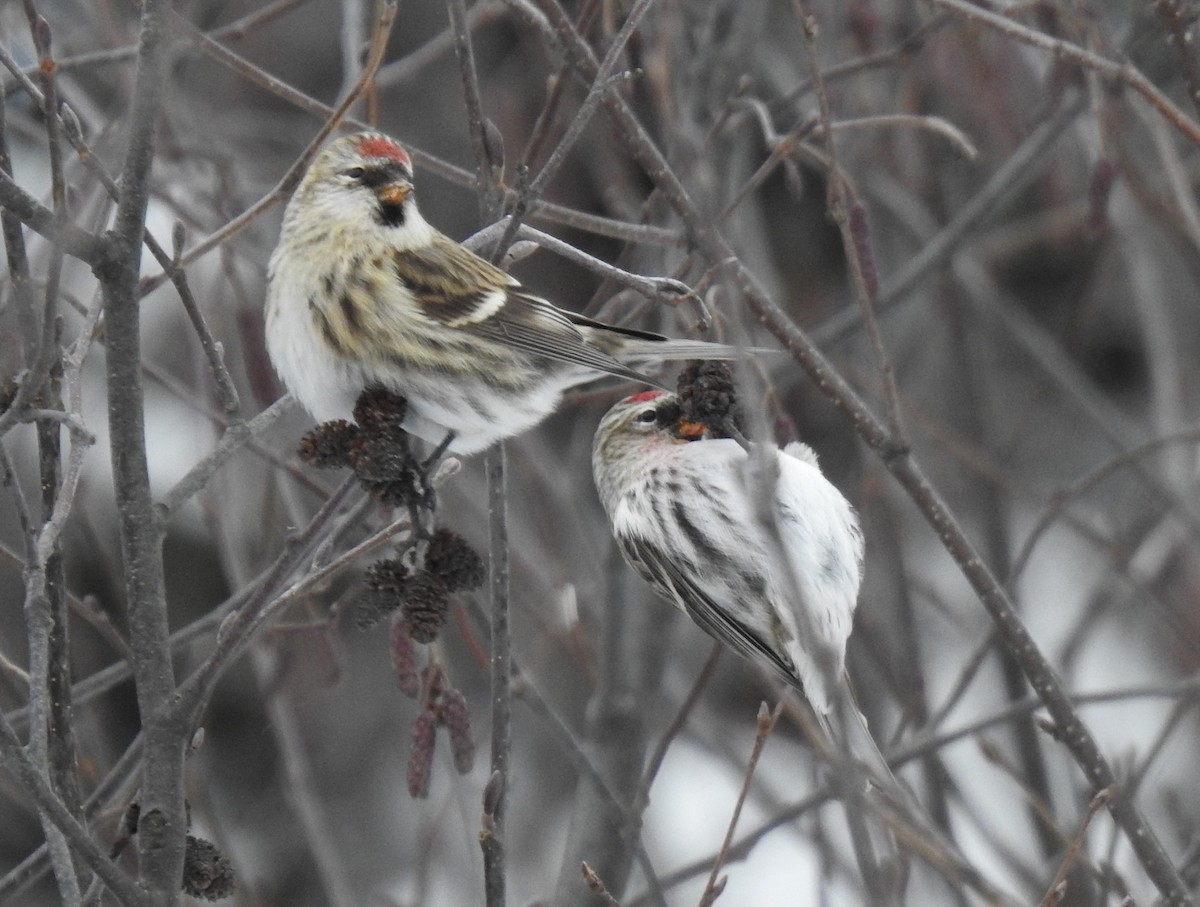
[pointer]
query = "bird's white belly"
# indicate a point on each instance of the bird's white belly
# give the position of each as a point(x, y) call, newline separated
point(478, 414)
point(328, 385)
point(325, 385)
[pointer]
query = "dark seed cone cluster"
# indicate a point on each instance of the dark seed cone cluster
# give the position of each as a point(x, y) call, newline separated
point(383, 592)
point(452, 560)
point(708, 395)
point(328, 445)
point(380, 410)
point(426, 606)
point(207, 873)
point(375, 446)
point(451, 565)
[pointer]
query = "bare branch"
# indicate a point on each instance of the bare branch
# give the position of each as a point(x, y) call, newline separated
point(492, 838)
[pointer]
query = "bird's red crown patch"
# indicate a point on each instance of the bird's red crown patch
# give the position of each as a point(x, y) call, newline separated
point(378, 146)
point(645, 396)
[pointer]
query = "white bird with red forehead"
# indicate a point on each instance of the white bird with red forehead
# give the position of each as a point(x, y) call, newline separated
point(768, 564)
point(362, 291)
point(766, 556)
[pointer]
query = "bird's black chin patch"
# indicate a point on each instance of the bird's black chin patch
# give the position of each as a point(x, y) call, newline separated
point(390, 215)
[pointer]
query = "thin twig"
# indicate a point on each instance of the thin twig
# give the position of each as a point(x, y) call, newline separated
point(900, 54)
point(236, 437)
point(81, 438)
point(766, 723)
point(910, 656)
point(213, 351)
point(492, 838)
point(781, 146)
point(681, 716)
point(1057, 889)
point(236, 30)
point(44, 353)
point(10, 480)
point(605, 81)
point(24, 207)
point(16, 254)
point(654, 288)
point(259, 603)
point(937, 125)
point(1155, 748)
point(483, 148)
point(849, 214)
point(596, 885)
point(352, 37)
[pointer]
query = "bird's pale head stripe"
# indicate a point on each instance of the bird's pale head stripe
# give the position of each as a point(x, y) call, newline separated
point(378, 146)
point(645, 396)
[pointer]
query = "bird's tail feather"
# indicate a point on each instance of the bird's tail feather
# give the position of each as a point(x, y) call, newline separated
point(872, 795)
point(851, 733)
point(891, 805)
point(642, 350)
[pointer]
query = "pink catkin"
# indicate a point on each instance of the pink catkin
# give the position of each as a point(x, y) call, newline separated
point(452, 712)
point(404, 661)
point(420, 757)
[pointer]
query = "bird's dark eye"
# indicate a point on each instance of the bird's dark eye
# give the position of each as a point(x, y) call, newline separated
point(356, 173)
point(648, 415)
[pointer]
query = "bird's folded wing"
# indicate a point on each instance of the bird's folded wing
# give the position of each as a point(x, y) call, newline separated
point(455, 287)
point(534, 326)
point(713, 617)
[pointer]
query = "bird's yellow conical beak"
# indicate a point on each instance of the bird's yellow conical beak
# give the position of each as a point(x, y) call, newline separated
point(394, 194)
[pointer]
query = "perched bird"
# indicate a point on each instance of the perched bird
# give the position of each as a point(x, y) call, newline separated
point(362, 291)
point(768, 564)
point(766, 555)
